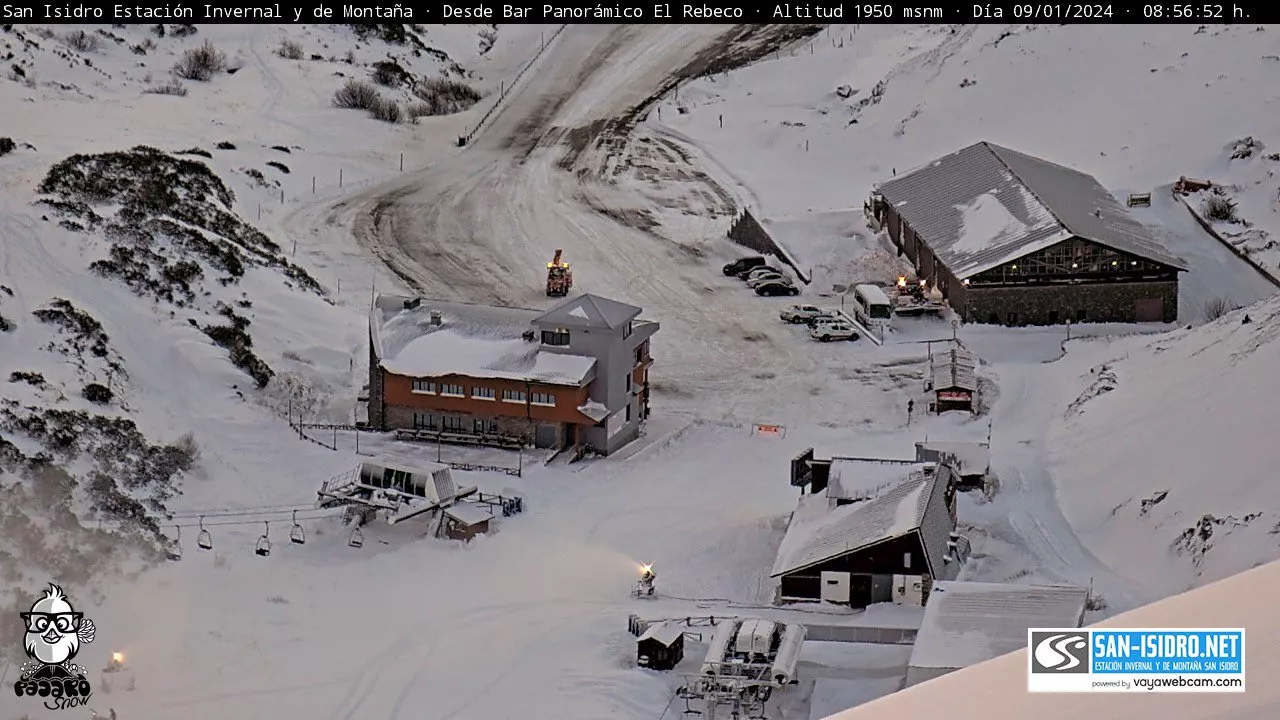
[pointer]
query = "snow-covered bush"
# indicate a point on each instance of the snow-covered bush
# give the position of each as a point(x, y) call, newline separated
point(201, 63)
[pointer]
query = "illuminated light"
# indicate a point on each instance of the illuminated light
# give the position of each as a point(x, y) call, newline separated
point(1074, 266)
point(902, 281)
point(924, 283)
point(1013, 267)
point(965, 281)
point(1135, 262)
point(1113, 263)
point(117, 658)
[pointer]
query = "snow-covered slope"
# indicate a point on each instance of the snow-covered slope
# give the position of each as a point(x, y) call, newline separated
point(812, 132)
point(996, 689)
point(1162, 463)
point(124, 274)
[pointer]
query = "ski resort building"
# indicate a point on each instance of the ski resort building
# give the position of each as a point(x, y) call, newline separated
point(889, 548)
point(1012, 239)
point(574, 376)
point(969, 461)
point(966, 623)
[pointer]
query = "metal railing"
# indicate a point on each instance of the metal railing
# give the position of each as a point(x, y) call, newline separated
point(506, 88)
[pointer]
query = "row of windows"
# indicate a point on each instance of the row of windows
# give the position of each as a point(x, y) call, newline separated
point(478, 392)
point(453, 423)
point(560, 336)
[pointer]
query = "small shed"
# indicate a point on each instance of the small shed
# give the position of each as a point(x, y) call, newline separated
point(464, 521)
point(955, 380)
point(970, 461)
point(661, 647)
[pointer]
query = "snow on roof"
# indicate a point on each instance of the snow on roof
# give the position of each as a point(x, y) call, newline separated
point(589, 311)
point(955, 368)
point(966, 623)
point(663, 632)
point(971, 458)
point(468, 513)
point(594, 410)
point(818, 532)
point(471, 340)
point(873, 294)
point(985, 205)
point(997, 689)
point(854, 479)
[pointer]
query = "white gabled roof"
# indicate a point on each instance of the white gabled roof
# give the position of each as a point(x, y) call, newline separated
point(468, 513)
point(664, 632)
point(966, 623)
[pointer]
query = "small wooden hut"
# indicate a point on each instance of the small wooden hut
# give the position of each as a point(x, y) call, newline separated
point(661, 647)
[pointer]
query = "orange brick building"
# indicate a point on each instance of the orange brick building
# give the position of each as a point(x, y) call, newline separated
point(575, 375)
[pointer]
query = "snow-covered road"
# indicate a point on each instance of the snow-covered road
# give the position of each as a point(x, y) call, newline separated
point(480, 225)
point(1027, 507)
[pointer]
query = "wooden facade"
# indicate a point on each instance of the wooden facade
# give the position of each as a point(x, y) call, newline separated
point(661, 647)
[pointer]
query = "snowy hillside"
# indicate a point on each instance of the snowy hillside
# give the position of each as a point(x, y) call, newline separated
point(811, 132)
point(1186, 496)
point(158, 314)
point(996, 689)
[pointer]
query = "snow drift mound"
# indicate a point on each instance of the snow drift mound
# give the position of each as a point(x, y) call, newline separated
point(1241, 601)
point(1163, 463)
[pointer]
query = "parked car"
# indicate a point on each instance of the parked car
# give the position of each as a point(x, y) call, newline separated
point(746, 274)
point(743, 264)
point(797, 314)
point(775, 289)
point(826, 332)
point(758, 280)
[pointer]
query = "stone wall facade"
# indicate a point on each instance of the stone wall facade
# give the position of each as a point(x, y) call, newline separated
point(1055, 304)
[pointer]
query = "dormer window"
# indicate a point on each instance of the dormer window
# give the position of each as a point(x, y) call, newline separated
point(626, 330)
point(558, 337)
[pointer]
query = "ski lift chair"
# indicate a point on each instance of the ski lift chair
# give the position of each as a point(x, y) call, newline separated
point(297, 534)
point(357, 539)
point(175, 550)
point(263, 548)
point(204, 540)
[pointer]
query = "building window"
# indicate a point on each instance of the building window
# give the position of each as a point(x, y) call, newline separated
point(626, 330)
point(628, 412)
point(558, 337)
point(427, 387)
point(484, 393)
point(453, 422)
point(1080, 315)
point(482, 426)
point(424, 421)
point(543, 399)
point(452, 390)
point(906, 560)
point(513, 396)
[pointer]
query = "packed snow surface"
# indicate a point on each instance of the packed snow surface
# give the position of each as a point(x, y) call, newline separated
point(997, 689)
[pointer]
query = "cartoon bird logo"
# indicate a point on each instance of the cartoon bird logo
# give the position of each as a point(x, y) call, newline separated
point(54, 629)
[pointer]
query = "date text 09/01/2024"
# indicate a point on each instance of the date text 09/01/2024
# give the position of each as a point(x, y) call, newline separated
point(1052, 11)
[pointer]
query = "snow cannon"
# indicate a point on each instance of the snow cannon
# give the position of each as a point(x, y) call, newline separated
point(644, 586)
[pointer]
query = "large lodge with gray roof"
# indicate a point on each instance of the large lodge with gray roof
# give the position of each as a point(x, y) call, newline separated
point(572, 377)
point(1012, 239)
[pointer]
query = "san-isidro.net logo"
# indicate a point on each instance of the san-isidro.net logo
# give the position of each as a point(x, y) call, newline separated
point(1070, 660)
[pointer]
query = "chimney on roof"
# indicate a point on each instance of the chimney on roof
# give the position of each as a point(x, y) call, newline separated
point(412, 303)
point(437, 317)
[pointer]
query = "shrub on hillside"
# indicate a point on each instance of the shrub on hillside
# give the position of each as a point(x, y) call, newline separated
point(442, 96)
point(356, 95)
point(201, 63)
point(97, 393)
point(7, 145)
point(6, 325)
point(1218, 208)
point(289, 50)
point(174, 87)
point(389, 74)
point(82, 41)
point(386, 111)
point(1215, 308)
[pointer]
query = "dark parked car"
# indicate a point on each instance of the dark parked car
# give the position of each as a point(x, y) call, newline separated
point(745, 264)
point(774, 289)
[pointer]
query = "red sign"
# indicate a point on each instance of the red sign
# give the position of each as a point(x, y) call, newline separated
point(954, 395)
